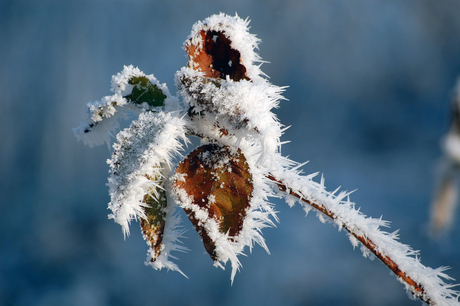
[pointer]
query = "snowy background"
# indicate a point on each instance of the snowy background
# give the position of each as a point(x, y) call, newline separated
point(370, 83)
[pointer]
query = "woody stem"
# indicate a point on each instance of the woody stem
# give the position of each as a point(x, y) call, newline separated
point(417, 289)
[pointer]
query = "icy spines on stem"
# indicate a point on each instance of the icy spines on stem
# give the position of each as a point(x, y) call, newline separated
point(103, 115)
point(142, 151)
point(358, 225)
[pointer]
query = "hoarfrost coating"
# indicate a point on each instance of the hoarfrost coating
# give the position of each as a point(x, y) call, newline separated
point(143, 150)
point(233, 112)
point(358, 225)
point(241, 39)
point(103, 115)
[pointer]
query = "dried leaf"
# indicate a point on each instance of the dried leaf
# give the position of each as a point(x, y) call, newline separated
point(220, 184)
point(153, 226)
point(213, 55)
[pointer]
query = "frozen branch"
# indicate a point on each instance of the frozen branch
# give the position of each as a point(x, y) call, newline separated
point(423, 282)
point(224, 184)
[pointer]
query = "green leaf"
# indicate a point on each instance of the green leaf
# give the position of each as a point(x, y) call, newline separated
point(153, 227)
point(145, 92)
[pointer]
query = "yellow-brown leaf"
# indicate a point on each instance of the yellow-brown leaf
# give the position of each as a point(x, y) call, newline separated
point(220, 183)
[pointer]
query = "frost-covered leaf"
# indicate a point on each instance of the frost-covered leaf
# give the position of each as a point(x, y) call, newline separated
point(222, 46)
point(145, 92)
point(142, 157)
point(134, 92)
point(140, 163)
point(153, 224)
point(219, 187)
point(224, 88)
point(212, 54)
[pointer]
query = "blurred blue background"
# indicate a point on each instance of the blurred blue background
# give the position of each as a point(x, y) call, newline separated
point(370, 87)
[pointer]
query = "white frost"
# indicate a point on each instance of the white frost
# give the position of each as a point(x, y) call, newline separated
point(143, 152)
point(237, 114)
point(347, 216)
point(243, 109)
point(237, 30)
point(103, 115)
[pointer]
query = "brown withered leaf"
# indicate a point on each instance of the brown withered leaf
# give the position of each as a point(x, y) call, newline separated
point(153, 227)
point(213, 55)
point(220, 183)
